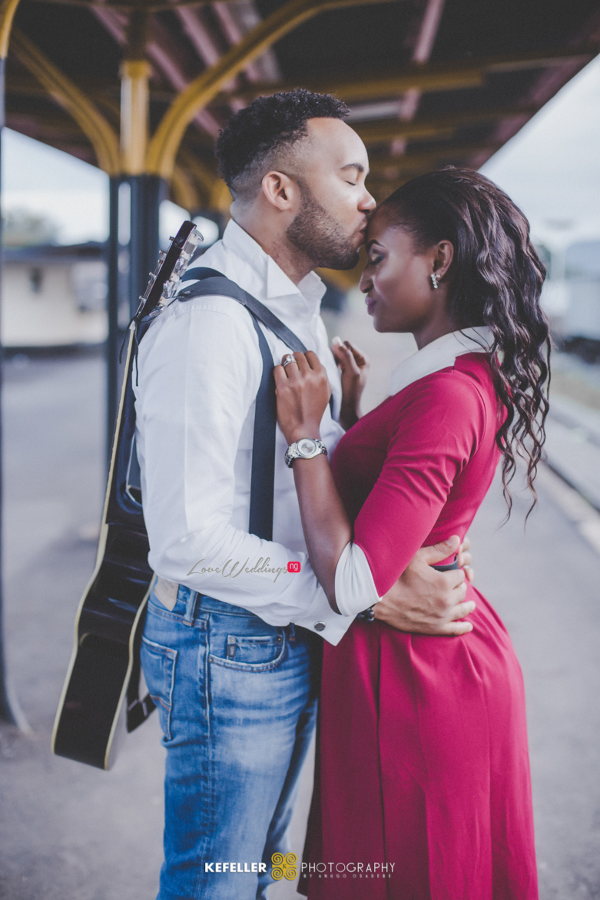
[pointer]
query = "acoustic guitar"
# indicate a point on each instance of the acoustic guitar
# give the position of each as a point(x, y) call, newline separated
point(100, 695)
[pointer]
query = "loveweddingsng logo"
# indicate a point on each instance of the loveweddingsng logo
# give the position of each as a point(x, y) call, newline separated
point(284, 866)
point(233, 569)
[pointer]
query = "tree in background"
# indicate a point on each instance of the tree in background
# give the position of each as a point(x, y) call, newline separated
point(23, 228)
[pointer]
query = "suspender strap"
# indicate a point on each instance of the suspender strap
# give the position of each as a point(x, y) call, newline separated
point(263, 446)
point(212, 282)
point(265, 419)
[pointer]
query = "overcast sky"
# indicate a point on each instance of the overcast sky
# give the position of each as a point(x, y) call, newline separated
point(551, 169)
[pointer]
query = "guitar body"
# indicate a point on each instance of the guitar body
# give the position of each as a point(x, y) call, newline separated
point(104, 666)
point(107, 626)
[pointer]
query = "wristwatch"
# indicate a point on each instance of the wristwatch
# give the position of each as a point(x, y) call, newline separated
point(305, 448)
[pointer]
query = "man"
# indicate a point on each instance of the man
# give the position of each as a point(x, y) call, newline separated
point(230, 644)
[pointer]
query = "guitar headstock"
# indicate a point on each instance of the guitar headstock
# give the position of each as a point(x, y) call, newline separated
point(172, 264)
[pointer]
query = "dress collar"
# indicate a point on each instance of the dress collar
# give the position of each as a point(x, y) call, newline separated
point(440, 354)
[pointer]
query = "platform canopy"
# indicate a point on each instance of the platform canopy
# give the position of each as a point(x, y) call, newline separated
point(143, 88)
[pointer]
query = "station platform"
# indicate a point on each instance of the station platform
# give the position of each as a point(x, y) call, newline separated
point(70, 832)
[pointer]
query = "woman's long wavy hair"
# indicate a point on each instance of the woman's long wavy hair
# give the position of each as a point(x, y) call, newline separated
point(496, 280)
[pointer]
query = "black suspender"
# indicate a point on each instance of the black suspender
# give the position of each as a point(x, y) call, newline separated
point(211, 282)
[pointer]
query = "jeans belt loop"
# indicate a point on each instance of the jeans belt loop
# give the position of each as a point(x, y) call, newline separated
point(190, 608)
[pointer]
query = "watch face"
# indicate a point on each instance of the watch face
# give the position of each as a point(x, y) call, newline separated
point(306, 447)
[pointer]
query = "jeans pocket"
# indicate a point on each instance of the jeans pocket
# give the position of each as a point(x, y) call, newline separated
point(158, 665)
point(250, 653)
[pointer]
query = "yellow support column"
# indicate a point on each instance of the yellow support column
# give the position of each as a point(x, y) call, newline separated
point(147, 189)
point(135, 98)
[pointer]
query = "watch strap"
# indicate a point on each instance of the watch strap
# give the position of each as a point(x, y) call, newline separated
point(293, 451)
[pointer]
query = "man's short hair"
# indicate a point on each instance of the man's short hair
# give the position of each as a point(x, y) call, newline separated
point(261, 136)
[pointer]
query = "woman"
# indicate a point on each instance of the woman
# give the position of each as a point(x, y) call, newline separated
point(423, 764)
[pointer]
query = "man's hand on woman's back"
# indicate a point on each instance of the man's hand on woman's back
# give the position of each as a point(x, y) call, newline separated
point(425, 601)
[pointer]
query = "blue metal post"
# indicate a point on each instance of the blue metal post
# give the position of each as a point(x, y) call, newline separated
point(114, 336)
point(9, 707)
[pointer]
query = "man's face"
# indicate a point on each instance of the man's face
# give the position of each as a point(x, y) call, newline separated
point(331, 223)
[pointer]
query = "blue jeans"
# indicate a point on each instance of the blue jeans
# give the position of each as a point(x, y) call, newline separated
point(237, 703)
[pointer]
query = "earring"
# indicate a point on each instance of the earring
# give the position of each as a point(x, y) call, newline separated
point(434, 281)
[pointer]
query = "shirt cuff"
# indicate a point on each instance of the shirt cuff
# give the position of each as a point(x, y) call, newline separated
point(354, 585)
point(324, 621)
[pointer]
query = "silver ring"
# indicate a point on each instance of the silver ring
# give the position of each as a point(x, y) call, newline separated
point(289, 358)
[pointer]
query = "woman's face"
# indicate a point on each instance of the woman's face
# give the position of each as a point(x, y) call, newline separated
point(397, 282)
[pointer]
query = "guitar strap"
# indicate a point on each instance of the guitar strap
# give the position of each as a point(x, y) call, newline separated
point(137, 710)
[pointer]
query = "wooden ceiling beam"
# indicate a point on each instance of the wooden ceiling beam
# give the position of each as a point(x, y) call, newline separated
point(382, 189)
point(418, 159)
point(70, 97)
point(237, 20)
point(28, 86)
point(100, 90)
point(200, 92)
point(426, 77)
point(152, 6)
point(443, 124)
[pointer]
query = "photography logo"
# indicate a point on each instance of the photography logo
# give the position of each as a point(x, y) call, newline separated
point(284, 866)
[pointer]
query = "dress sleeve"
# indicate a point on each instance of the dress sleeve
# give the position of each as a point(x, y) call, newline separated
point(436, 431)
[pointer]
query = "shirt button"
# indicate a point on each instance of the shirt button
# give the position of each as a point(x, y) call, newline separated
point(320, 626)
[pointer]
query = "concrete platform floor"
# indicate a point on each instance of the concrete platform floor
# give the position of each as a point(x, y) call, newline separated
point(69, 832)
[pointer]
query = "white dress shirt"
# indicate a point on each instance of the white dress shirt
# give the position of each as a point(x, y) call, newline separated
point(199, 368)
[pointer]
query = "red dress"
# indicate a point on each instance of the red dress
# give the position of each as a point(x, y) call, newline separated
point(422, 764)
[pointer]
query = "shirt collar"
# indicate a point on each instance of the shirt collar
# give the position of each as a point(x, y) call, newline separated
point(440, 354)
point(278, 285)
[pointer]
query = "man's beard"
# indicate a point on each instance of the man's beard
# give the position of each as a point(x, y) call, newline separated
point(316, 233)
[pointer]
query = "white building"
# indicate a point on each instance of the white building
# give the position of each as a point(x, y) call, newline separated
point(54, 296)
